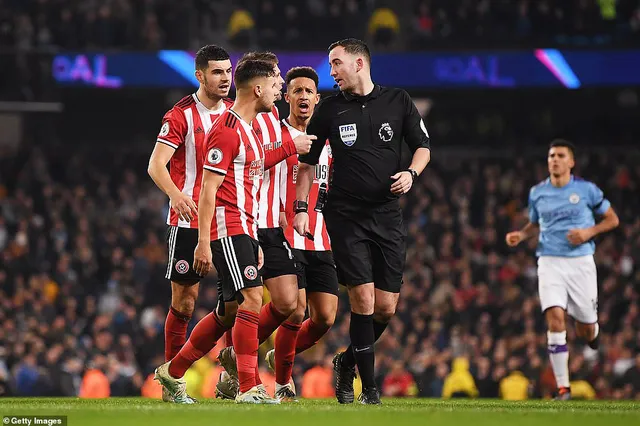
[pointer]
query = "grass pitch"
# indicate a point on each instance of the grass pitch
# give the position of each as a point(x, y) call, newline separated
point(393, 412)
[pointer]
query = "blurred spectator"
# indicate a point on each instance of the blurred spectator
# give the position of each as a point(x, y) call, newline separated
point(399, 382)
point(383, 27)
point(514, 387)
point(459, 383)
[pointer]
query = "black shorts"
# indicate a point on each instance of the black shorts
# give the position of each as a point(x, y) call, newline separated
point(369, 244)
point(316, 271)
point(236, 260)
point(182, 243)
point(278, 258)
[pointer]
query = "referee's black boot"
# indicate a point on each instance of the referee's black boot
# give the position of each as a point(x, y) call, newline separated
point(369, 396)
point(345, 376)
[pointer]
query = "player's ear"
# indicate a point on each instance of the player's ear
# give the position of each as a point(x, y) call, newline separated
point(317, 98)
point(200, 76)
point(257, 90)
point(286, 97)
point(359, 64)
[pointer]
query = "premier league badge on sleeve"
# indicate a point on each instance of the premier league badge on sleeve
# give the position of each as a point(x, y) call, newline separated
point(348, 134)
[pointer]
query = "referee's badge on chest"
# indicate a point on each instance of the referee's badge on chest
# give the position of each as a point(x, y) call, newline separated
point(348, 134)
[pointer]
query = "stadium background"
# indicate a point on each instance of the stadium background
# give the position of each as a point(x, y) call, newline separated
point(84, 84)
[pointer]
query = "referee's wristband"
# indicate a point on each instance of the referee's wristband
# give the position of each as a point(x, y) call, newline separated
point(414, 174)
point(300, 207)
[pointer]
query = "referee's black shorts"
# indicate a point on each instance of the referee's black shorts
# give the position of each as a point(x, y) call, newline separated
point(368, 244)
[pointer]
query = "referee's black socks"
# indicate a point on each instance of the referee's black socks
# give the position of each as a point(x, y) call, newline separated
point(378, 329)
point(362, 335)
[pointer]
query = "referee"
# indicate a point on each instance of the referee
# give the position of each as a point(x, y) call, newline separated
point(365, 125)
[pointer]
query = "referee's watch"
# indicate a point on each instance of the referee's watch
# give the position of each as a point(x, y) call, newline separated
point(414, 174)
point(300, 206)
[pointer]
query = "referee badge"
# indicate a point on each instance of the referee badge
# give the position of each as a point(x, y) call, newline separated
point(348, 134)
point(574, 198)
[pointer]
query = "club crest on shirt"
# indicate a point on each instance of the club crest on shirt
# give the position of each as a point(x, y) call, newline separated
point(385, 132)
point(215, 156)
point(574, 198)
point(348, 134)
point(164, 130)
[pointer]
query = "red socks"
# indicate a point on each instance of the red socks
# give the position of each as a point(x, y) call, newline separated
point(228, 338)
point(285, 346)
point(270, 319)
point(175, 332)
point(309, 335)
point(203, 338)
point(245, 339)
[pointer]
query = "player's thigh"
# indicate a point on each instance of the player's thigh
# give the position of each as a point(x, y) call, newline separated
point(181, 243)
point(320, 273)
point(350, 247)
point(278, 257)
point(582, 285)
point(388, 249)
point(552, 283)
point(236, 260)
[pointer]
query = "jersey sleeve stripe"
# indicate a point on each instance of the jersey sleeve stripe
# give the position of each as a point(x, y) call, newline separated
point(216, 170)
point(166, 142)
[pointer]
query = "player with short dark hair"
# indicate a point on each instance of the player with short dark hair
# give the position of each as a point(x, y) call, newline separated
point(279, 272)
point(317, 278)
point(563, 209)
point(227, 232)
point(181, 143)
point(366, 125)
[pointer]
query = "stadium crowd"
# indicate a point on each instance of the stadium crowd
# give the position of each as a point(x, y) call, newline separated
point(83, 296)
point(313, 24)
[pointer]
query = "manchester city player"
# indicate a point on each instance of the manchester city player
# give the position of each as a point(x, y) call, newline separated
point(564, 207)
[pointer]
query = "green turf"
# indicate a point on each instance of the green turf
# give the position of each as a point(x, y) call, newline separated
point(393, 412)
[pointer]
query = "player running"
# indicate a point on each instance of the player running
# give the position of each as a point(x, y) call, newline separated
point(181, 143)
point(317, 277)
point(563, 208)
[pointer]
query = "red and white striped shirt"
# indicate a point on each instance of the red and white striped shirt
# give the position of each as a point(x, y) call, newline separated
point(267, 127)
point(235, 151)
point(184, 128)
point(289, 175)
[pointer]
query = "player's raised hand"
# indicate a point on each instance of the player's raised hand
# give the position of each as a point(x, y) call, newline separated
point(202, 259)
point(184, 206)
point(579, 236)
point(303, 143)
point(403, 183)
point(301, 223)
point(514, 238)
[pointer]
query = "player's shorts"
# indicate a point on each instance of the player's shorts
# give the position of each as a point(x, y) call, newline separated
point(368, 244)
point(570, 283)
point(278, 258)
point(316, 271)
point(236, 260)
point(182, 243)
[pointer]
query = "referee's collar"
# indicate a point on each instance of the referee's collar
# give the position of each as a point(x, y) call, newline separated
point(374, 94)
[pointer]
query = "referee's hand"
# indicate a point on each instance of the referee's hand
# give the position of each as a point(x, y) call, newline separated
point(303, 143)
point(402, 184)
point(202, 259)
point(184, 206)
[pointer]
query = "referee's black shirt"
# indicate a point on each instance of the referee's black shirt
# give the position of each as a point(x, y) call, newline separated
point(365, 133)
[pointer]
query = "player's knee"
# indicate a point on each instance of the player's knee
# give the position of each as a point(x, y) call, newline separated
point(252, 299)
point(324, 318)
point(362, 301)
point(384, 313)
point(556, 324)
point(185, 304)
point(286, 305)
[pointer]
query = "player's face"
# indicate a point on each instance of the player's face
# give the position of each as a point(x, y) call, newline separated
point(344, 67)
point(280, 81)
point(216, 79)
point(269, 93)
point(302, 96)
point(560, 160)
